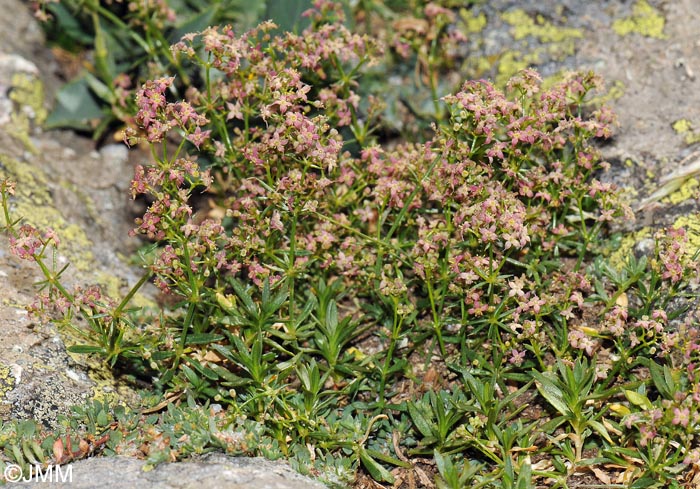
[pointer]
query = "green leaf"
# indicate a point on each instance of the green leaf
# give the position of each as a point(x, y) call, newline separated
point(444, 464)
point(99, 88)
point(287, 14)
point(638, 399)
point(643, 483)
point(157, 356)
point(419, 420)
point(203, 338)
point(600, 429)
point(76, 107)
point(192, 377)
point(70, 33)
point(664, 378)
point(194, 23)
point(205, 371)
point(388, 459)
point(86, 349)
point(243, 295)
point(104, 57)
point(375, 469)
point(551, 392)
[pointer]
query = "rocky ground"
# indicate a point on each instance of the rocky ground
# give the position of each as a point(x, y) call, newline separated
point(647, 51)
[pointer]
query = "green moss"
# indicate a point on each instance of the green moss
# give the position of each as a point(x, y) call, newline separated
point(645, 20)
point(538, 27)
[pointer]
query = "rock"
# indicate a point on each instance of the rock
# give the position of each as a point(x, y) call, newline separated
point(212, 471)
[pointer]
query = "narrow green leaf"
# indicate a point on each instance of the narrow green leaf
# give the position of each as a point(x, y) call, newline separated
point(205, 371)
point(388, 459)
point(419, 420)
point(244, 297)
point(86, 349)
point(600, 429)
point(203, 338)
point(551, 393)
point(99, 88)
point(191, 375)
point(375, 469)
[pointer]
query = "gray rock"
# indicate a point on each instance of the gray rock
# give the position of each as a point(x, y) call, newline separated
point(213, 471)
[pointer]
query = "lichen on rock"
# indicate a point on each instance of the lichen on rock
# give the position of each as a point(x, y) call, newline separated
point(645, 20)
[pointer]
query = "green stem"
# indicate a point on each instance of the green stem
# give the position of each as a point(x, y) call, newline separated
point(436, 322)
point(395, 332)
point(291, 271)
point(132, 292)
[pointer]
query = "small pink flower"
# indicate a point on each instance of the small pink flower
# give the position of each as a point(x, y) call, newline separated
point(198, 136)
point(681, 416)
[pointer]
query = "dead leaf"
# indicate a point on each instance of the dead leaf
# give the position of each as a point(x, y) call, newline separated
point(602, 476)
point(424, 479)
point(622, 300)
point(419, 26)
point(58, 450)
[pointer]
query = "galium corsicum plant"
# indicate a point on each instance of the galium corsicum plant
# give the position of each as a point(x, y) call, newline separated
point(369, 306)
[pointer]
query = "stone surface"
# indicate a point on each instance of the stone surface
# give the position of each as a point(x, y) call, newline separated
point(214, 471)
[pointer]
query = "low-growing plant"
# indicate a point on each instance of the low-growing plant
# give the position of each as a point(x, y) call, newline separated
point(357, 307)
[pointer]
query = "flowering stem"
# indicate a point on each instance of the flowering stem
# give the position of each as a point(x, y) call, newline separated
point(52, 280)
point(395, 334)
point(412, 196)
point(127, 298)
point(292, 262)
point(378, 242)
point(436, 322)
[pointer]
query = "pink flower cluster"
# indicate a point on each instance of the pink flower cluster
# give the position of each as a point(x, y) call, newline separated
point(29, 243)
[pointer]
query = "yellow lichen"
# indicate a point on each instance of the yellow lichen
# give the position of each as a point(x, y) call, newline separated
point(645, 20)
point(616, 91)
point(28, 92)
point(7, 381)
point(618, 258)
point(512, 62)
point(556, 43)
point(691, 224)
point(684, 127)
point(539, 27)
point(34, 205)
point(686, 191)
point(472, 24)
